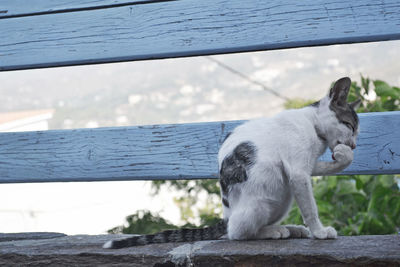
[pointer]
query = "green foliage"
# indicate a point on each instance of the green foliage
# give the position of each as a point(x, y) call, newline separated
point(354, 205)
point(194, 212)
point(143, 222)
point(387, 97)
point(195, 216)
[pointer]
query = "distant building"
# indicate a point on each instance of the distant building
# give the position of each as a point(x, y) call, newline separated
point(27, 120)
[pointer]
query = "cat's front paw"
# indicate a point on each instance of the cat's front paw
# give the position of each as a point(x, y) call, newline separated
point(325, 233)
point(274, 232)
point(343, 154)
point(298, 231)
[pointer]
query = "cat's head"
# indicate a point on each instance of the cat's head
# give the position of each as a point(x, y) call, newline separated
point(338, 121)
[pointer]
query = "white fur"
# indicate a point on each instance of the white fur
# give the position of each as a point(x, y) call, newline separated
point(287, 152)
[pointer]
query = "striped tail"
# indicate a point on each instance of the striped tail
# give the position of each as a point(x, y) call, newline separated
point(179, 235)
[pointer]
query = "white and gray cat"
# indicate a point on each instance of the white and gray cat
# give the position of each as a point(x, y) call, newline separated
point(265, 163)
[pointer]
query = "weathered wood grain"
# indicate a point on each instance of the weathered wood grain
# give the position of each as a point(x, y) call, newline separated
point(22, 8)
point(185, 151)
point(190, 27)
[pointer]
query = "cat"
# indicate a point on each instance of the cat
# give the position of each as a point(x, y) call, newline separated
point(265, 163)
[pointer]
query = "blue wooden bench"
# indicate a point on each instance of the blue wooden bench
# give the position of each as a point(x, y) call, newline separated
point(47, 33)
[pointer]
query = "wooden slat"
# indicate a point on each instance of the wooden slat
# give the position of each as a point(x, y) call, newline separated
point(190, 27)
point(23, 8)
point(184, 151)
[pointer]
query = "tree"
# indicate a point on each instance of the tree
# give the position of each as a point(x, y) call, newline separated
point(354, 205)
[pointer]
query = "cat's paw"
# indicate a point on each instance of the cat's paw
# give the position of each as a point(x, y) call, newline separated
point(298, 231)
point(343, 154)
point(275, 232)
point(325, 233)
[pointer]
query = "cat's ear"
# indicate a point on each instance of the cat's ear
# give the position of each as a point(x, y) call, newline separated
point(339, 91)
point(356, 104)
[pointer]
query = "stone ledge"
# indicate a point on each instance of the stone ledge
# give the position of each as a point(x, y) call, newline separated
point(87, 250)
point(30, 235)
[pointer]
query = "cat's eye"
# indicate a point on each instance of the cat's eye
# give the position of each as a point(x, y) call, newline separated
point(348, 125)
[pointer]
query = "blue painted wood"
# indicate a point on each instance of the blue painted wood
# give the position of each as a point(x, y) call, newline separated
point(22, 8)
point(183, 151)
point(190, 27)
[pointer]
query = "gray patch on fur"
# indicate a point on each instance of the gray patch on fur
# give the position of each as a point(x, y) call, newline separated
point(345, 114)
point(234, 166)
point(339, 91)
point(225, 202)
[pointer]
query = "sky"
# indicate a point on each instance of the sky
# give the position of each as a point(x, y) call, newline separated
point(162, 91)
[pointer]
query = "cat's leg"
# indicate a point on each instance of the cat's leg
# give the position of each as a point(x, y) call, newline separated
point(343, 157)
point(249, 222)
point(300, 184)
point(243, 225)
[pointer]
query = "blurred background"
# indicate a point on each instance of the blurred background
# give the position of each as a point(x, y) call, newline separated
point(214, 88)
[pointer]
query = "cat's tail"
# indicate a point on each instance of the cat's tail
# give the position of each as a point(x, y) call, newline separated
point(180, 235)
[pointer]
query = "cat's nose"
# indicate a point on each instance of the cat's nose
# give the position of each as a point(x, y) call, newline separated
point(351, 144)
